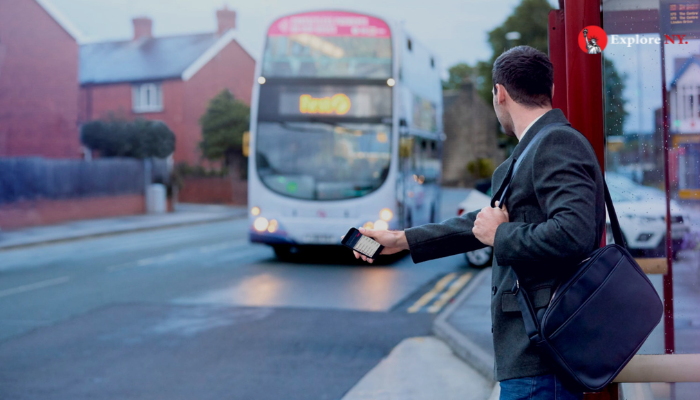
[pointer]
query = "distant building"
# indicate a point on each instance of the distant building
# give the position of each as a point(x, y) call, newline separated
point(684, 129)
point(170, 79)
point(470, 126)
point(38, 81)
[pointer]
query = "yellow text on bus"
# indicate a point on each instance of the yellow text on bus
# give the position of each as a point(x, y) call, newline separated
point(338, 104)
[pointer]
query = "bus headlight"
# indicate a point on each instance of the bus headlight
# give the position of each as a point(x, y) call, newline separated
point(272, 226)
point(255, 211)
point(260, 224)
point(386, 214)
point(381, 225)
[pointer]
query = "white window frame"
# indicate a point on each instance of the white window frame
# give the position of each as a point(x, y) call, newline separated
point(147, 97)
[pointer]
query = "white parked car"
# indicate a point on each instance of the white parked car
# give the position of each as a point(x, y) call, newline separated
point(641, 211)
point(476, 200)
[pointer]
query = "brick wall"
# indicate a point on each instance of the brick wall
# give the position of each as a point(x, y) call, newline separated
point(213, 191)
point(44, 212)
point(232, 68)
point(38, 83)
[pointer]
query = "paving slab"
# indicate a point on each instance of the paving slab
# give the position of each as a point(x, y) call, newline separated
point(422, 368)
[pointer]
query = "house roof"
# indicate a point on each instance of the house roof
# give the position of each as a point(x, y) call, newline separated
point(149, 58)
point(688, 62)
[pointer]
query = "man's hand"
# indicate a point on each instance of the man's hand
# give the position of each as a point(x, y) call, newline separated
point(487, 222)
point(393, 242)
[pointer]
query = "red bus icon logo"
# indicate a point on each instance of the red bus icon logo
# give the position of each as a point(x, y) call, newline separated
point(592, 39)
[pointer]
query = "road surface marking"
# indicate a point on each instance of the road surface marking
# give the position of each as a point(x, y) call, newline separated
point(450, 293)
point(426, 298)
point(34, 286)
point(236, 244)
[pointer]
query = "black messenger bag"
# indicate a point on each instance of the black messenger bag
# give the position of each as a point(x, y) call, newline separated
point(598, 318)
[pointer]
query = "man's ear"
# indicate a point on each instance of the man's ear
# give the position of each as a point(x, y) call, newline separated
point(552, 92)
point(500, 93)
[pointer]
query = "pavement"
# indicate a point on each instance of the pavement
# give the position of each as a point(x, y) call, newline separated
point(422, 368)
point(185, 214)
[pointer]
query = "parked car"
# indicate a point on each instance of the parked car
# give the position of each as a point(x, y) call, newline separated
point(476, 200)
point(641, 211)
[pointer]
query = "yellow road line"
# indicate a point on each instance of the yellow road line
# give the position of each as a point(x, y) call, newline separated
point(426, 298)
point(450, 293)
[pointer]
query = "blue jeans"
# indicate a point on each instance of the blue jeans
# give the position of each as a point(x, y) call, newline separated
point(543, 387)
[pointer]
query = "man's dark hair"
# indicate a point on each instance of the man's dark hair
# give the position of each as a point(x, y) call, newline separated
point(527, 75)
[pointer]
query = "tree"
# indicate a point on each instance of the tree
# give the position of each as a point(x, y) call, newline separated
point(223, 125)
point(615, 113)
point(459, 74)
point(530, 20)
point(141, 138)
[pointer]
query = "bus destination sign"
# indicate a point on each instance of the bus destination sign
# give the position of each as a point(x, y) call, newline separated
point(338, 104)
point(330, 23)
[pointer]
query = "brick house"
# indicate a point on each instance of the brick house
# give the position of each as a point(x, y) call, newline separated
point(170, 79)
point(38, 81)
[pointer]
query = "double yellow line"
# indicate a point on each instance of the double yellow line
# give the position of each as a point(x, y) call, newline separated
point(448, 282)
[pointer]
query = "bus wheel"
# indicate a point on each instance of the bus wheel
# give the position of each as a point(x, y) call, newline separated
point(285, 252)
point(481, 258)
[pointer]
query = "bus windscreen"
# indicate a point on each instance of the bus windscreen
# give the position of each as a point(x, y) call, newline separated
point(328, 45)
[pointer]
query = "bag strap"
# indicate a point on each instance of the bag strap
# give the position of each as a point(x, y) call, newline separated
point(531, 317)
point(538, 136)
point(614, 223)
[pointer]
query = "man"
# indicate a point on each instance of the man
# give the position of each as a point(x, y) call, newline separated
point(554, 217)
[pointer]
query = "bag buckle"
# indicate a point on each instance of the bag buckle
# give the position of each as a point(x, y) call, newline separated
point(516, 287)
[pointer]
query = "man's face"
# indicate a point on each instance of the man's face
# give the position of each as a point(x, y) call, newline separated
point(501, 109)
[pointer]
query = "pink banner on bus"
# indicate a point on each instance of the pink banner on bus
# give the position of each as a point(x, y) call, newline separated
point(330, 23)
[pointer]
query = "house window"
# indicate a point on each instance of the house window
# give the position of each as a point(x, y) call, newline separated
point(147, 97)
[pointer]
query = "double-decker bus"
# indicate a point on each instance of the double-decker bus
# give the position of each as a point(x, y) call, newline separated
point(346, 130)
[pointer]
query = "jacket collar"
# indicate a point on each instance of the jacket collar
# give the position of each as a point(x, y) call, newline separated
point(553, 116)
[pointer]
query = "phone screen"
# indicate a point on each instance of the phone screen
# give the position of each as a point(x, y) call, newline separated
point(366, 245)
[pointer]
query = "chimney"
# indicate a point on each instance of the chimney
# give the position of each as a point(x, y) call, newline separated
point(226, 19)
point(142, 28)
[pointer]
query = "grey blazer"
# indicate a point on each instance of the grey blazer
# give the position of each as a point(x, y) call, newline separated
point(557, 217)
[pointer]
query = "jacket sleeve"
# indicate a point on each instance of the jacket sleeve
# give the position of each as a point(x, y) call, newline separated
point(450, 237)
point(564, 173)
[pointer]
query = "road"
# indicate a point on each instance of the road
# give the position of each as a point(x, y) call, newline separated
point(198, 312)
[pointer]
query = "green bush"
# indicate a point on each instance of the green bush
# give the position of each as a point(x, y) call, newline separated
point(481, 168)
point(140, 138)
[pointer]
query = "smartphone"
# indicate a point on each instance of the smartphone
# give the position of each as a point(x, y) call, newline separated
point(362, 244)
